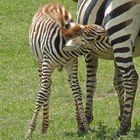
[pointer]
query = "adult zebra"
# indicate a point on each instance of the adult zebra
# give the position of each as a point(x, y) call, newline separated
point(121, 19)
point(51, 28)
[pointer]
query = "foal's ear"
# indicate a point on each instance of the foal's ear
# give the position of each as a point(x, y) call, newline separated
point(74, 30)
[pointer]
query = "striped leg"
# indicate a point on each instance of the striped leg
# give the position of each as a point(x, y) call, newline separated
point(39, 69)
point(91, 65)
point(69, 70)
point(122, 38)
point(118, 85)
point(46, 90)
point(78, 119)
point(45, 121)
point(42, 100)
point(130, 79)
point(45, 104)
point(73, 80)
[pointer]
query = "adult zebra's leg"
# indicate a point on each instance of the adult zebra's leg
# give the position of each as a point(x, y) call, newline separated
point(130, 78)
point(118, 85)
point(73, 80)
point(42, 100)
point(91, 66)
point(124, 62)
point(123, 27)
point(122, 35)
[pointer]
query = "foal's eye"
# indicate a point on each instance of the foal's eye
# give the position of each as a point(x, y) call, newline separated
point(67, 26)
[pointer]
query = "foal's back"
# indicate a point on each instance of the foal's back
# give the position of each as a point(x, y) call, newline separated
point(45, 31)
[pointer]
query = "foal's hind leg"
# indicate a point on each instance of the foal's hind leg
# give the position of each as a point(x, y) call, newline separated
point(46, 90)
point(39, 69)
point(42, 98)
point(45, 122)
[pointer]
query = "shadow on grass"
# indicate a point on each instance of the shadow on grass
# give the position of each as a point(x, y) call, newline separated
point(100, 132)
point(136, 131)
point(103, 132)
point(69, 134)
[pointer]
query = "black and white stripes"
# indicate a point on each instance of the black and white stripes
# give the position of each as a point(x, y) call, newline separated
point(51, 27)
point(121, 19)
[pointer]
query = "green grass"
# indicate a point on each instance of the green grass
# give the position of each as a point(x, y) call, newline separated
point(19, 85)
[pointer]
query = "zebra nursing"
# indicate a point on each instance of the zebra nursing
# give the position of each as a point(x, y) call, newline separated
point(51, 28)
point(121, 20)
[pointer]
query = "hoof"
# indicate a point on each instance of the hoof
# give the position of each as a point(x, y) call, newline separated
point(89, 118)
point(43, 131)
point(122, 131)
point(82, 131)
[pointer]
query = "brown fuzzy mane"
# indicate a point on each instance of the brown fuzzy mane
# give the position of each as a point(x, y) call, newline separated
point(51, 10)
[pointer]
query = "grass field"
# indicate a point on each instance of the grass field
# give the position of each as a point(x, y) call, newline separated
point(19, 85)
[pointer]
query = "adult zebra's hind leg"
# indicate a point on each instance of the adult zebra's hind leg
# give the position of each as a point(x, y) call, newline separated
point(118, 85)
point(130, 84)
point(71, 69)
point(42, 100)
point(130, 79)
point(122, 34)
point(91, 66)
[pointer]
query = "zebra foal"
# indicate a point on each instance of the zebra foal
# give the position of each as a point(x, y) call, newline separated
point(51, 28)
point(121, 19)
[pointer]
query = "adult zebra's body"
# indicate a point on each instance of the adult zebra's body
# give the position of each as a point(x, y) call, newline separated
point(50, 29)
point(121, 19)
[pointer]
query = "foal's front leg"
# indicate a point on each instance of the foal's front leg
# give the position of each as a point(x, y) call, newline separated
point(91, 67)
point(73, 80)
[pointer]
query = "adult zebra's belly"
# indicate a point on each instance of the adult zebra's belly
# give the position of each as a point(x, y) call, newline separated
point(107, 53)
point(103, 50)
point(137, 47)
